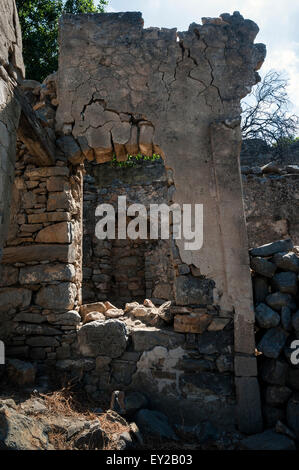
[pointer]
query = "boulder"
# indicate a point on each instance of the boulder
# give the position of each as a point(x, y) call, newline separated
point(155, 424)
point(274, 372)
point(260, 289)
point(285, 282)
point(94, 316)
point(114, 313)
point(279, 300)
point(277, 395)
point(266, 317)
point(164, 312)
point(94, 307)
point(91, 439)
point(272, 248)
point(47, 273)
point(20, 432)
point(11, 298)
point(57, 297)
point(287, 261)
point(99, 338)
point(21, 373)
point(263, 267)
point(272, 343)
point(268, 440)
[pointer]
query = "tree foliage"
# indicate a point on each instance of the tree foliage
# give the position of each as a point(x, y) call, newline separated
point(39, 23)
point(265, 112)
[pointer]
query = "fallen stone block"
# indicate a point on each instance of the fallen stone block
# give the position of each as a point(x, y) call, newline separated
point(273, 342)
point(268, 440)
point(272, 248)
point(266, 317)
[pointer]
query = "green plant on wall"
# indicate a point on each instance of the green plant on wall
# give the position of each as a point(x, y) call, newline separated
point(133, 160)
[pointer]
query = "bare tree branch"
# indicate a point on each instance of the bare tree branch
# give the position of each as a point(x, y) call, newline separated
point(265, 112)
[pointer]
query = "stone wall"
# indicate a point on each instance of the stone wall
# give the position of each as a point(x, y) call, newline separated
point(123, 90)
point(11, 73)
point(126, 270)
point(271, 194)
point(275, 269)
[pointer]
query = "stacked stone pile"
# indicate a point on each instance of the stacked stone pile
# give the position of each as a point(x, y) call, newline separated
point(275, 268)
point(43, 98)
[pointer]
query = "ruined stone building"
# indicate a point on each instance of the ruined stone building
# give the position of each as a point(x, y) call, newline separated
point(124, 90)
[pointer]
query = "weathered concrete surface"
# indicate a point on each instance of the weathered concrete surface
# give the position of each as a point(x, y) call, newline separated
point(11, 71)
point(122, 88)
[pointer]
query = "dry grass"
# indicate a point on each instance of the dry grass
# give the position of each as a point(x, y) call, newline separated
point(65, 402)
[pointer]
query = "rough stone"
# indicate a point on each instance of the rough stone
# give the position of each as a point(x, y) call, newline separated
point(47, 273)
point(272, 343)
point(272, 248)
point(154, 423)
point(21, 373)
point(279, 300)
point(193, 323)
point(193, 291)
point(268, 440)
point(57, 233)
point(274, 372)
point(57, 297)
point(286, 282)
point(266, 317)
point(263, 267)
point(287, 261)
point(14, 298)
point(277, 395)
point(20, 432)
point(103, 338)
point(147, 338)
point(94, 316)
point(260, 289)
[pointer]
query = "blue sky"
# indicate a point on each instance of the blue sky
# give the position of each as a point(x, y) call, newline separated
point(277, 19)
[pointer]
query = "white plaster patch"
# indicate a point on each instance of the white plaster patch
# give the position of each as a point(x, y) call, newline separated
point(160, 358)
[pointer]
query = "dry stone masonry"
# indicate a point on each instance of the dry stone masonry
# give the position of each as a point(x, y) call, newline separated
point(155, 317)
point(275, 269)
